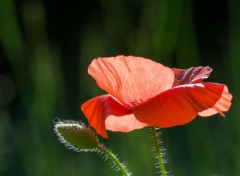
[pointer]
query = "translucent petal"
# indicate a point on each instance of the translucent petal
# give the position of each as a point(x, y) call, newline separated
point(124, 123)
point(131, 80)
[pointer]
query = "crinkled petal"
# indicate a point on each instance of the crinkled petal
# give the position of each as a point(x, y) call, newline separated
point(192, 75)
point(222, 105)
point(178, 105)
point(99, 108)
point(131, 80)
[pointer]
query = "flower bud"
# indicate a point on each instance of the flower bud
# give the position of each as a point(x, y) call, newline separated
point(76, 136)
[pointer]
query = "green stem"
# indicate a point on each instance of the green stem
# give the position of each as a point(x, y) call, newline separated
point(157, 150)
point(114, 159)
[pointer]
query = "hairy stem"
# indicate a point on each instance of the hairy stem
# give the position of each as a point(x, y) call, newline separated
point(115, 160)
point(157, 150)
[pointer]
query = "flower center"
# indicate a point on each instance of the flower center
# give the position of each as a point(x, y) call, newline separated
point(136, 102)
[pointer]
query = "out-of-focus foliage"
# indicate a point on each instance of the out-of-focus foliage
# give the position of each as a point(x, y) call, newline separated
point(45, 48)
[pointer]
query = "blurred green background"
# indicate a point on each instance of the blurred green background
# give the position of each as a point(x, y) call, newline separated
point(46, 47)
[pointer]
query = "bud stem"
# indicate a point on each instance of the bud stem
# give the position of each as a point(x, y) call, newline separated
point(114, 159)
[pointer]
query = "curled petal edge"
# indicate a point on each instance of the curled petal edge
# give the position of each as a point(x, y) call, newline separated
point(191, 75)
point(222, 105)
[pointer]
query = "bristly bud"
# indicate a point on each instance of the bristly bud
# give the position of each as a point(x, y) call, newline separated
point(76, 136)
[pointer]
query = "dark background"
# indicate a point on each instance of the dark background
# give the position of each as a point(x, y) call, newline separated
point(46, 47)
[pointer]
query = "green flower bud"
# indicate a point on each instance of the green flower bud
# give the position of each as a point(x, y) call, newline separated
point(76, 136)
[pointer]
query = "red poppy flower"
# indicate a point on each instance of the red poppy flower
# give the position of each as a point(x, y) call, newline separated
point(145, 93)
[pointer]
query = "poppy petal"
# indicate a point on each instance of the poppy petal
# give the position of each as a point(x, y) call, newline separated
point(192, 75)
point(131, 80)
point(222, 105)
point(178, 105)
point(124, 123)
point(99, 108)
